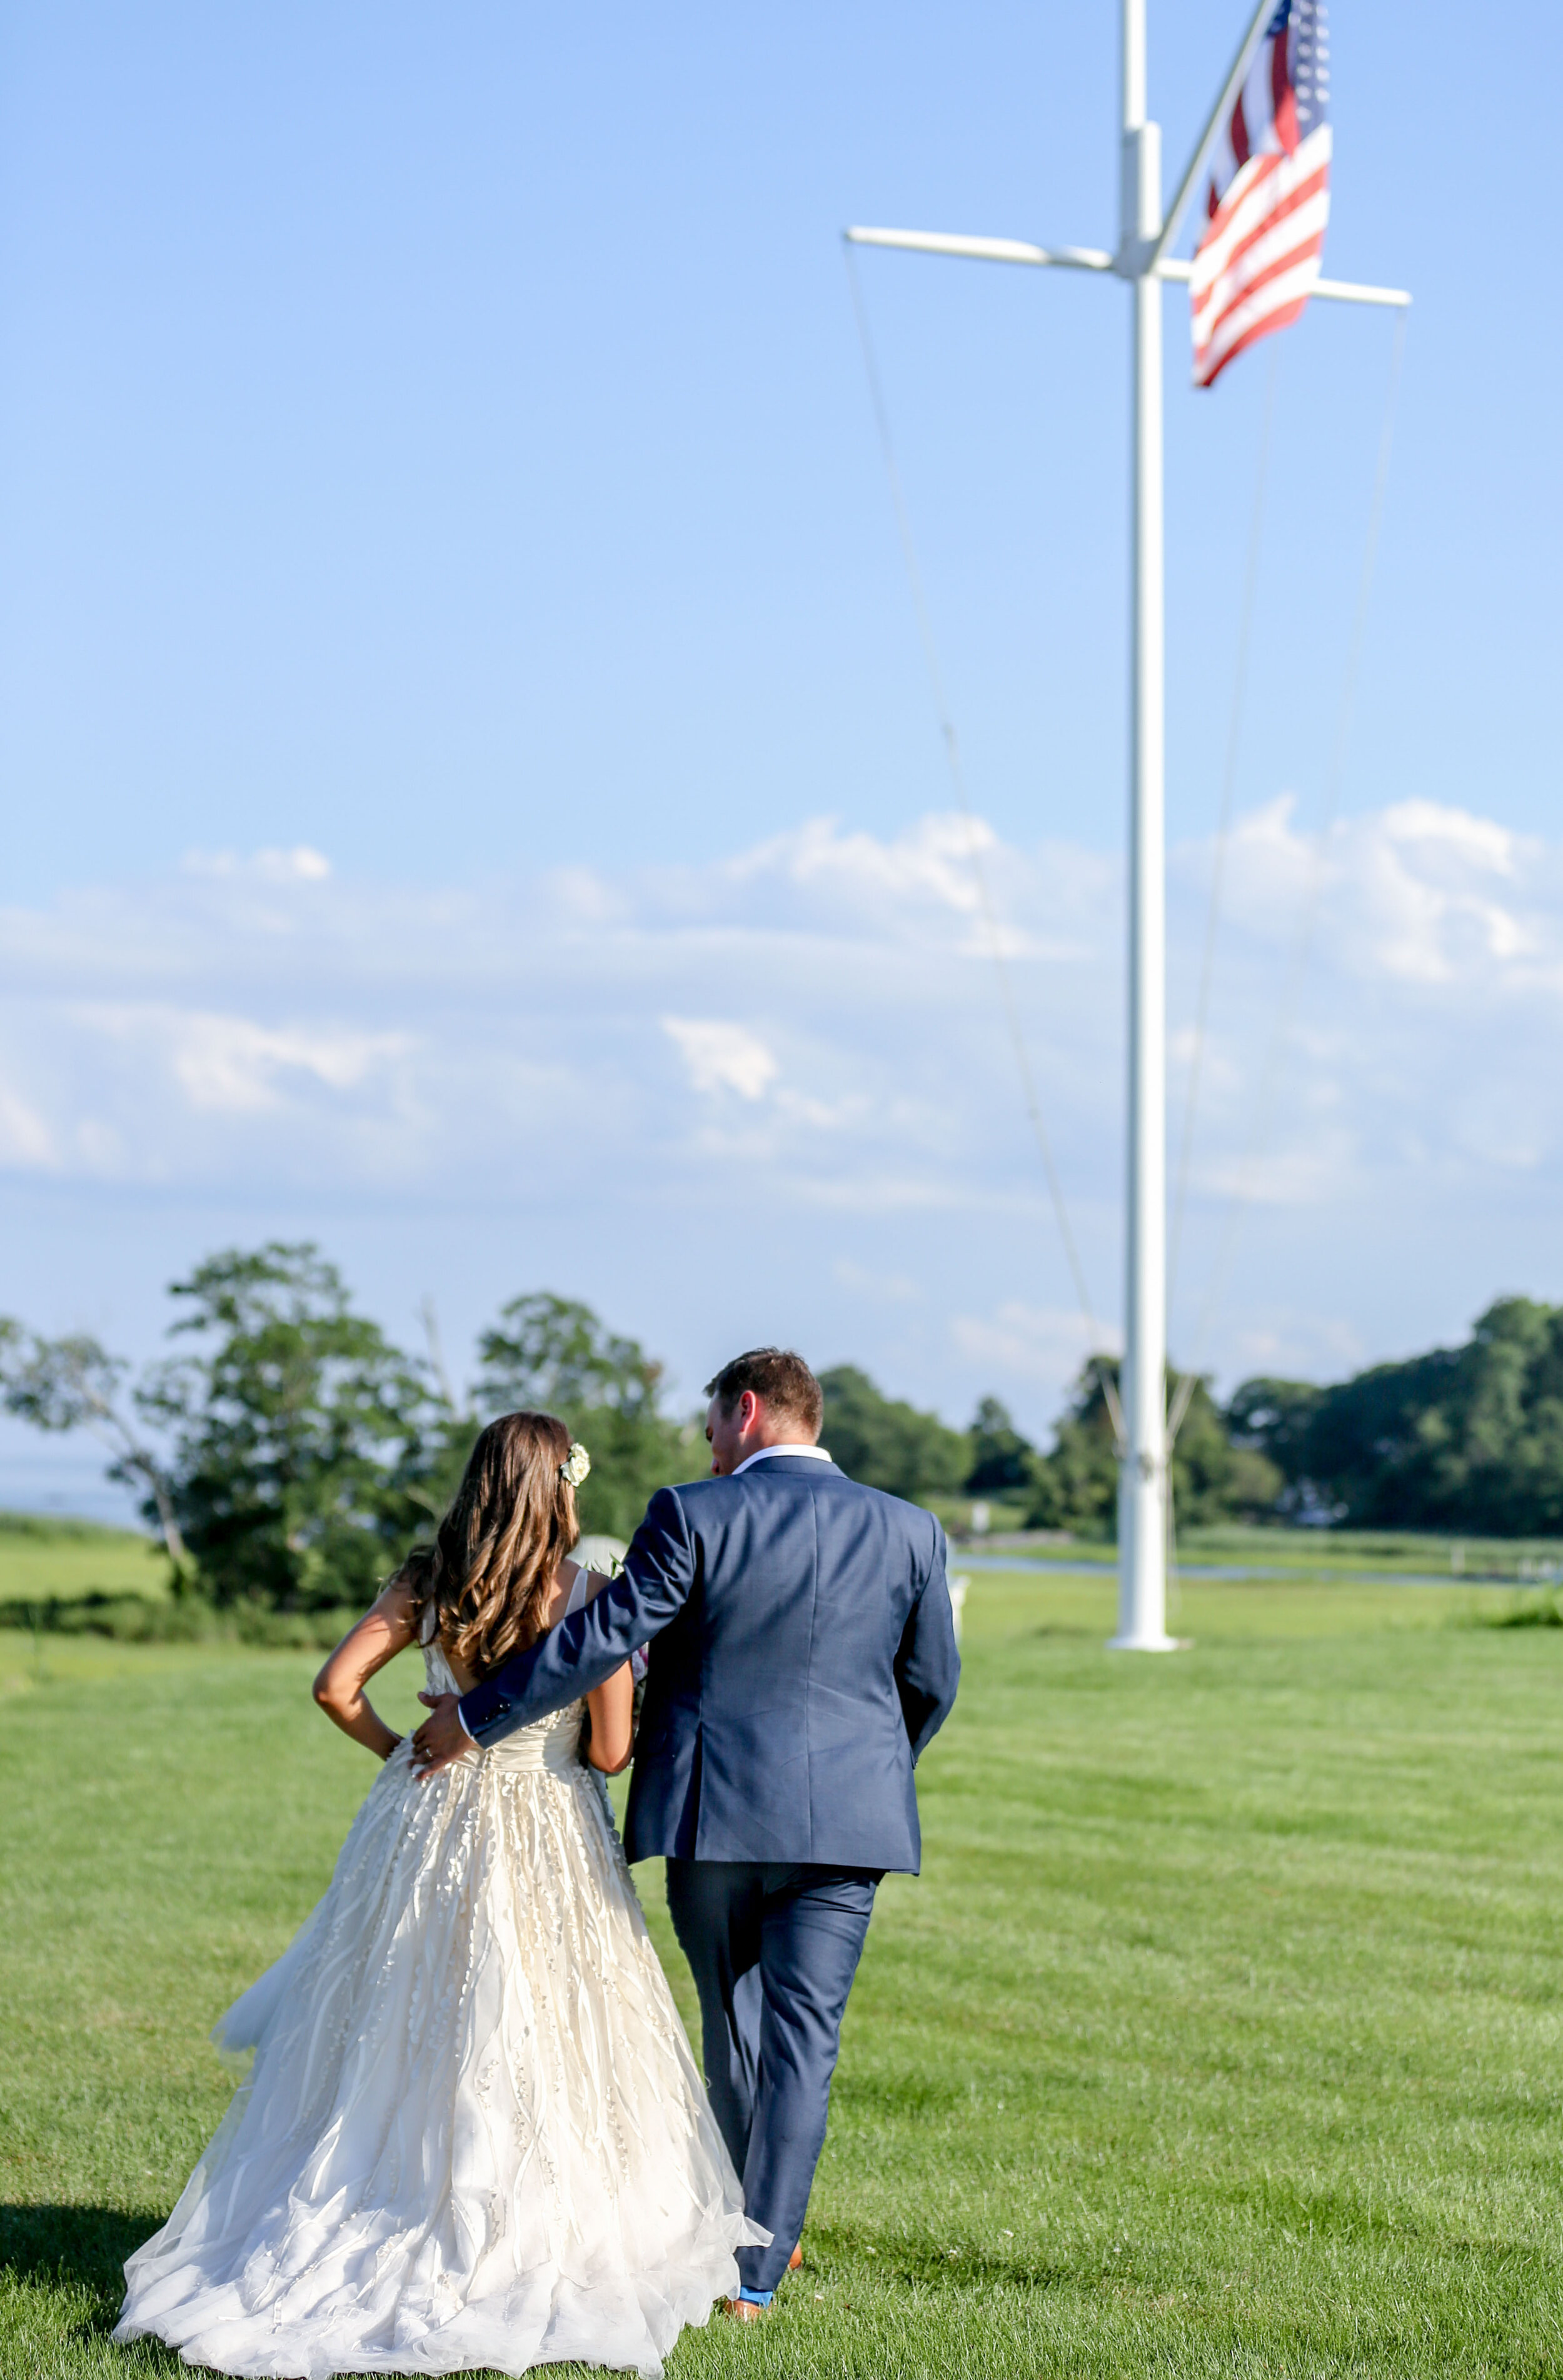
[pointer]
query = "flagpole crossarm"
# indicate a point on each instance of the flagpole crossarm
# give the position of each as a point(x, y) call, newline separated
point(1136, 258)
point(1359, 293)
point(1353, 293)
point(985, 251)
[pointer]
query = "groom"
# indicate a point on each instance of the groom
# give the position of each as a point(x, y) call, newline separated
point(802, 1654)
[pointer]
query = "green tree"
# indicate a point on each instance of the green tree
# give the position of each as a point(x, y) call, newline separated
point(301, 1462)
point(1213, 1479)
point(1003, 1463)
point(1463, 1437)
point(1078, 1480)
point(293, 1453)
point(73, 1383)
point(1275, 1416)
point(552, 1354)
point(885, 1444)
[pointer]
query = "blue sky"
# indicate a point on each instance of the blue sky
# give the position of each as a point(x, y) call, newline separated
point(436, 441)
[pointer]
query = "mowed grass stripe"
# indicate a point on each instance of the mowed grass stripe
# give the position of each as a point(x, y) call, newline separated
point(1221, 2034)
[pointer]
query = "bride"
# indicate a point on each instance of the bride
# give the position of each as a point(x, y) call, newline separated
point(473, 2133)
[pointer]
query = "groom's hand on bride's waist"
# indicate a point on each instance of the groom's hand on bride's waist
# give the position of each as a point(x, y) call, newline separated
point(441, 1739)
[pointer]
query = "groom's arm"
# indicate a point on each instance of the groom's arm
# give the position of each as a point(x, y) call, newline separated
point(928, 1667)
point(586, 1648)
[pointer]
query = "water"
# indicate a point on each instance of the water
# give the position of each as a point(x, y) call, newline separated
point(65, 1483)
point(1086, 1568)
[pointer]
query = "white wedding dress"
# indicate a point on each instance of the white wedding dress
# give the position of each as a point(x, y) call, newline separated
point(473, 2133)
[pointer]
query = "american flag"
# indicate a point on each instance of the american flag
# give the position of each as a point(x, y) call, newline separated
point(1258, 256)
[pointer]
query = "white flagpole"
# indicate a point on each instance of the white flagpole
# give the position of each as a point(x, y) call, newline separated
point(1142, 1485)
point(1143, 260)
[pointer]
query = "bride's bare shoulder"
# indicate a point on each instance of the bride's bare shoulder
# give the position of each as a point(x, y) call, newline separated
point(571, 1579)
point(559, 1594)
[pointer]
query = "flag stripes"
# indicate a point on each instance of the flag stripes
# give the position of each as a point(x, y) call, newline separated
point(1259, 255)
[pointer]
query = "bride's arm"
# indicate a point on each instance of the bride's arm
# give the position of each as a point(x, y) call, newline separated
point(610, 1708)
point(386, 1630)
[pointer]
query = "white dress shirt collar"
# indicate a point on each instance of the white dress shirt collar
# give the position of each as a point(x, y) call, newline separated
point(814, 1453)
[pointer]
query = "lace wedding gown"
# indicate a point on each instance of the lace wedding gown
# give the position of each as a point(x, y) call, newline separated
point(473, 2133)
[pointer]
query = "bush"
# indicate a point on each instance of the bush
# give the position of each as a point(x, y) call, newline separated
point(1547, 1613)
point(141, 1620)
point(129, 1619)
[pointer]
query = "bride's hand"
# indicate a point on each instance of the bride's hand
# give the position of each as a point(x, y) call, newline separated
point(441, 1739)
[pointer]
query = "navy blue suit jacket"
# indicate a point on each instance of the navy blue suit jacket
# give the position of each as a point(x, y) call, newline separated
point(803, 1653)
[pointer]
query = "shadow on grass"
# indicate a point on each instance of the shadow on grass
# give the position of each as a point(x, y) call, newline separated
point(87, 2244)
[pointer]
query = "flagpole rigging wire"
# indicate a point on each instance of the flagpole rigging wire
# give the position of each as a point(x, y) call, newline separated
point(1223, 831)
point(958, 779)
point(1269, 1084)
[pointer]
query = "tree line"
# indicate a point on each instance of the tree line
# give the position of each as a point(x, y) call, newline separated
point(1072, 1486)
point(1466, 1439)
point(289, 1452)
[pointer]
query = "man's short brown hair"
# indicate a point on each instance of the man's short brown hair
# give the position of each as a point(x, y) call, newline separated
point(779, 1378)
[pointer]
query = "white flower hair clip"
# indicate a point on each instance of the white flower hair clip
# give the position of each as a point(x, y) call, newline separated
point(576, 1466)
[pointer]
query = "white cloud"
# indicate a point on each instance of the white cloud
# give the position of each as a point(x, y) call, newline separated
point(1406, 892)
point(302, 865)
point(722, 1057)
point(232, 1065)
point(1470, 842)
point(25, 1139)
point(935, 860)
point(809, 1033)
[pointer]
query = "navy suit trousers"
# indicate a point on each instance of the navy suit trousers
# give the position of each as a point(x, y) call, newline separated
point(773, 1949)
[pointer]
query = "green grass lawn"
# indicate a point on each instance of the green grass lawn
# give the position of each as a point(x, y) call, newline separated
point(1223, 2033)
point(45, 1558)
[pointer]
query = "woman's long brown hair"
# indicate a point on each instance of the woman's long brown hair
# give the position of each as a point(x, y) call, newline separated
point(488, 1575)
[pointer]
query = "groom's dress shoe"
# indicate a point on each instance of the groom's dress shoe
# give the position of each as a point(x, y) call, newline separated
point(751, 2309)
